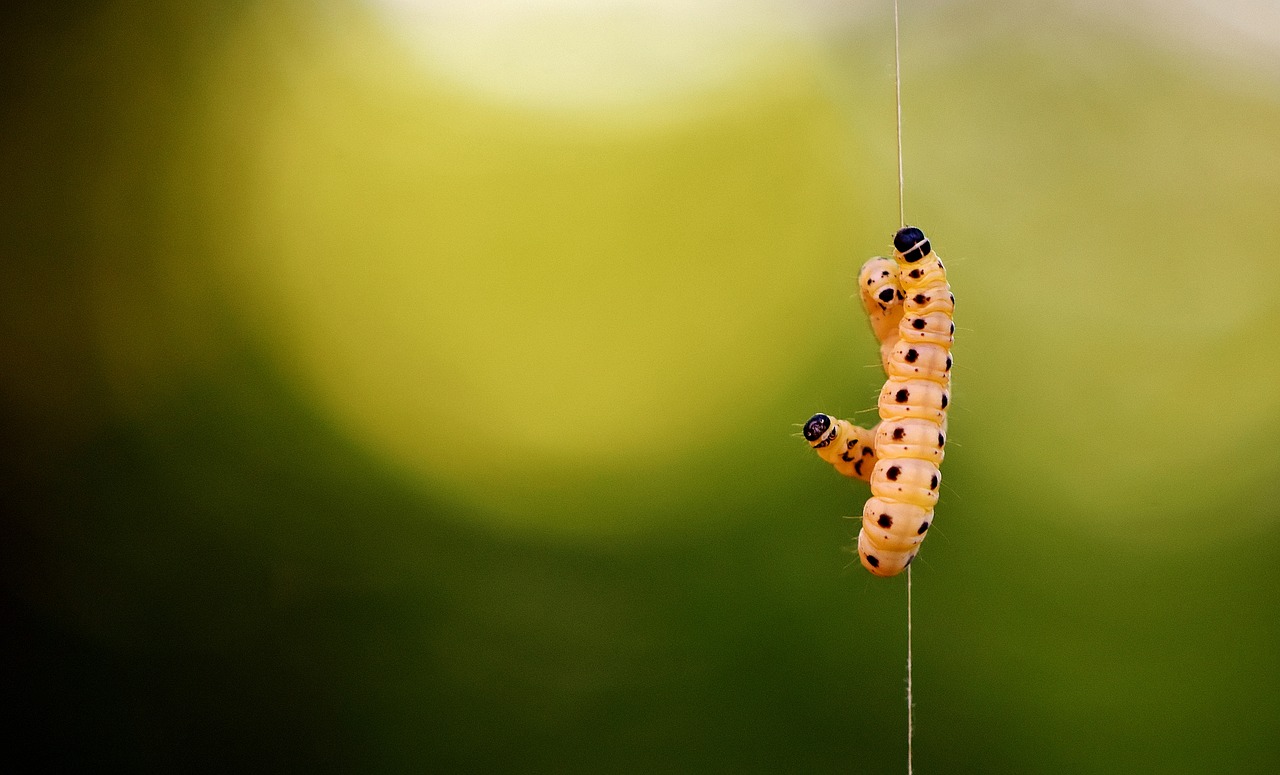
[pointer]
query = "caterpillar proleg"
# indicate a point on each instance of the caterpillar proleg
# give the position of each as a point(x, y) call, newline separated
point(910, 305)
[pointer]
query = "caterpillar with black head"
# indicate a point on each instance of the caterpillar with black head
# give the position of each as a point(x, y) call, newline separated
point(911, 308)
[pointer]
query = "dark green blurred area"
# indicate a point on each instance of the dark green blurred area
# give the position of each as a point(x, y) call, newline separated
point(213, 562)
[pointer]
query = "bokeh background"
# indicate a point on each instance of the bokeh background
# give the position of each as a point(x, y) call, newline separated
point(398, 386)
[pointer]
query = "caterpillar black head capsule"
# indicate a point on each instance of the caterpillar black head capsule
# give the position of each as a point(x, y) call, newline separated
point(911, 244)
point(816, 428)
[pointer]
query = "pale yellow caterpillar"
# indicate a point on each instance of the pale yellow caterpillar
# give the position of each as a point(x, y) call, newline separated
point(910, 306)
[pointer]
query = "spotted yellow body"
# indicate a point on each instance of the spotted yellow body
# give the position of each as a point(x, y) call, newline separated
point(910, 305)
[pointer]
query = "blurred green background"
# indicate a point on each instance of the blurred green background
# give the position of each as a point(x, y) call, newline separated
point(400, 387)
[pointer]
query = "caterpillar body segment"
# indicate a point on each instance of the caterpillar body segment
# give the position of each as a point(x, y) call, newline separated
point(902, 399)
point(930, 299)
point(911, 436)
point(907, 480)
point(851, 449)
point(915, 360)
point(933, 328)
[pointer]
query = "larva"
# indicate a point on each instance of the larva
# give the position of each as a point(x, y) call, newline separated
point(912, 292)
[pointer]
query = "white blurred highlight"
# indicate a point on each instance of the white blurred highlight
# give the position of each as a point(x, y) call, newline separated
point(592, 55)
point(1241, 31)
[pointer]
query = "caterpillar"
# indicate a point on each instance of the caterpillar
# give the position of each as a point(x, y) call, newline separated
point(911, 307)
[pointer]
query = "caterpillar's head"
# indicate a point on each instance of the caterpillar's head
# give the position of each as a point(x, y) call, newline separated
point(911, 244)
point(820, 430)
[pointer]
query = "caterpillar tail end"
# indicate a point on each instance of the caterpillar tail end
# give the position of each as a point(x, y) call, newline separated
point(880, 562)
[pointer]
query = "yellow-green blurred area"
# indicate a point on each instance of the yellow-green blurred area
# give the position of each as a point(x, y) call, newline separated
point(398, 386)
